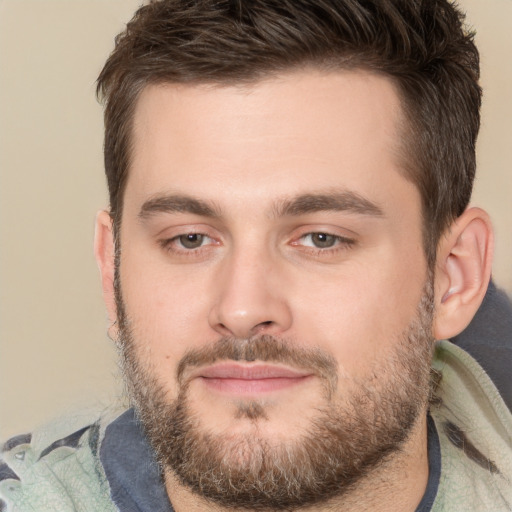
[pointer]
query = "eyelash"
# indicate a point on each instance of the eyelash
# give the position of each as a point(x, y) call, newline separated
point(169, 244)
point(340, 243)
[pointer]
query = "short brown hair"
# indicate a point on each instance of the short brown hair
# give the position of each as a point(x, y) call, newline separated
point(422, 45)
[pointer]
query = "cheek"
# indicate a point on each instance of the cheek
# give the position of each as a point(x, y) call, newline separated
point(359, 315)
point(163, 309)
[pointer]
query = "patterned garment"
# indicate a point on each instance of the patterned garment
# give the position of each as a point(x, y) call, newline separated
point(54, 471)
point(40, 474)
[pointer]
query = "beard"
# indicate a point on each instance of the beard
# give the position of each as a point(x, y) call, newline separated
point(346, 439)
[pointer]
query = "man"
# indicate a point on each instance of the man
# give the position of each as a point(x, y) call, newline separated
point(288, 235)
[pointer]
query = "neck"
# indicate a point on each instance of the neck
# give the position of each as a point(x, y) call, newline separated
point(397, 485)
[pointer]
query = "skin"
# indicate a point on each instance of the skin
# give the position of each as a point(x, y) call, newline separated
point(245, 152)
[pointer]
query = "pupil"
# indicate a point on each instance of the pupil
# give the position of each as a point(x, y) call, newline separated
point(323, 240)
point(191, 241)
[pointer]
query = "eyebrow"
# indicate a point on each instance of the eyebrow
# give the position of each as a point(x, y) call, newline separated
point(344, 201)
point(178, 204)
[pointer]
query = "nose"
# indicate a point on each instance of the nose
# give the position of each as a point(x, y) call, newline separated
point(250, 298)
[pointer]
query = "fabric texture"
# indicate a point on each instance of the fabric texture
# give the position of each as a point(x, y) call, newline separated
point(134, 476)
point(56, 469)
point(475, 432)
point(106, 465)
point(434, 468)
point(488, 338)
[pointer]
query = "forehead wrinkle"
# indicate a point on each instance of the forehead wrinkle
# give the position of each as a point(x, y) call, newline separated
point(336, 201)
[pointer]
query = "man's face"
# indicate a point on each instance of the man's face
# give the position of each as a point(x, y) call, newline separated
point(272, 270)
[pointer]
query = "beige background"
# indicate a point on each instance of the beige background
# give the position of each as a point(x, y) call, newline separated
point(54, 355)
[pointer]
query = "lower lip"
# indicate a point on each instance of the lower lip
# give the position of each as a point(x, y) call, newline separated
point(252, 386)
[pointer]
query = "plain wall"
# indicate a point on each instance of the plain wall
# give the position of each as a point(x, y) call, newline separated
point(54, 353)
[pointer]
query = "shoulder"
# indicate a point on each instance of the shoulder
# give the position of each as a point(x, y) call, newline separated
point(56, 467)
point(475, 433)
point(488, 338)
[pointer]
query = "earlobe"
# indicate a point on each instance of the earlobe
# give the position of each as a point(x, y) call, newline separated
point(104, 252)
point(463, 271)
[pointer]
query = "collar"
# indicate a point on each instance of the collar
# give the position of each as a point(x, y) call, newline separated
point(136, 483)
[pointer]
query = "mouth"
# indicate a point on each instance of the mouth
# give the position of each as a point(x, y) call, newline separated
point(251, 378)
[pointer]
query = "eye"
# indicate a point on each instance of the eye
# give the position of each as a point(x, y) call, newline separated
point(321, 240)
point(191, 246)
point(192, 240)
point(187, 243)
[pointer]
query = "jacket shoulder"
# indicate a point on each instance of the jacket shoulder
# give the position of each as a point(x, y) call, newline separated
point(475, 432)
point(56, 467)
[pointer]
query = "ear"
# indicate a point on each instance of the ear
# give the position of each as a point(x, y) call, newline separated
point(463, 272)
point(104, 251)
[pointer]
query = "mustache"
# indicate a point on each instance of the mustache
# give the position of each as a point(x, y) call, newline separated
point(265, 348)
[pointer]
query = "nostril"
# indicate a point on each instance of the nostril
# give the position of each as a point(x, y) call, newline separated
point(262, 326)
point(224, 330)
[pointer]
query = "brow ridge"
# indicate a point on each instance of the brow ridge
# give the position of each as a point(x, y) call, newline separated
point(177, 204)
point(348, 201)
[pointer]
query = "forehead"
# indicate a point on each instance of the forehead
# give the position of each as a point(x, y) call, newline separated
point(297, 131)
